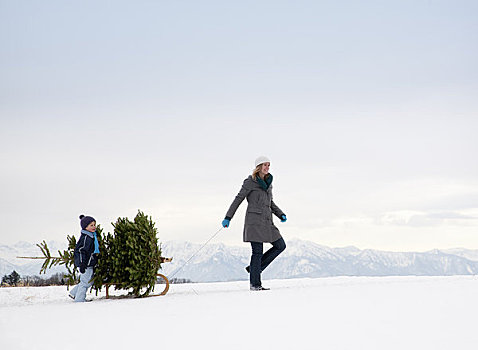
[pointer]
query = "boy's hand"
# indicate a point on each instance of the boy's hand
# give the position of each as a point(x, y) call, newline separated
point(82, 268)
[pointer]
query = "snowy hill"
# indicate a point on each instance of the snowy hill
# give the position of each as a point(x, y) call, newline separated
point(340, 313)
point(218, 262)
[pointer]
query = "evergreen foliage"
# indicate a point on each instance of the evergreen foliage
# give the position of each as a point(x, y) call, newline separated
point(11, 279)
point(66, 258)
point(132, 256)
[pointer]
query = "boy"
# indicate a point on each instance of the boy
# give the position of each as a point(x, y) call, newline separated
point(86, 257)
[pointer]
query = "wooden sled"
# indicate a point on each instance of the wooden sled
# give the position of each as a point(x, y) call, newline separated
point(166, 287)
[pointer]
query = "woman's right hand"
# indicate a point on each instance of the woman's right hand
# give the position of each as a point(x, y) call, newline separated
point(225, 222)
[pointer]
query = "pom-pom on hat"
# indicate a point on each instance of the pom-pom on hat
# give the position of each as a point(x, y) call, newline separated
point(85, 221)
point(261, 159)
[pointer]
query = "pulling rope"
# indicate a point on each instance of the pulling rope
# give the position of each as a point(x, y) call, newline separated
point(175, 272)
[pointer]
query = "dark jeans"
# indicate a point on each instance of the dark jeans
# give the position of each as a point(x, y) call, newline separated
point(260, 261)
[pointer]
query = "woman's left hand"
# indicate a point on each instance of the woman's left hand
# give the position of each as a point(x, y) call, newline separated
point(225, 222)
point(283, 218)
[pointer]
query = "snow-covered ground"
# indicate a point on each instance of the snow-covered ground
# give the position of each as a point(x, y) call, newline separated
point(322, 313)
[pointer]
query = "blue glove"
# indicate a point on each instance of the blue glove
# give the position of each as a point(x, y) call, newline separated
point(225, 222)
point(283, 218)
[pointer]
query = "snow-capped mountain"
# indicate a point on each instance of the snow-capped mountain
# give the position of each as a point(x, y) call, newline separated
point(9, 260)
point(464, 253)
point(218, 262)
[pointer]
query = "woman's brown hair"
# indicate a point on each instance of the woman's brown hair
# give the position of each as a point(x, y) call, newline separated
point(256, 172)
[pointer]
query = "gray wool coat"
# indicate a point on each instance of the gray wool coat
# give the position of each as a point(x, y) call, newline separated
point(258, 225)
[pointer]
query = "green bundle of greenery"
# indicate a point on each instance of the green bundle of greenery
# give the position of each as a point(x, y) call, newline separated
point(132, 257)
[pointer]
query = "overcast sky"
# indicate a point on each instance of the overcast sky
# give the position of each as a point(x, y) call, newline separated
point(367, 110)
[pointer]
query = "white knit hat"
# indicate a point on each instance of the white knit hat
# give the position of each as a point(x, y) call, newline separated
point(261, 159)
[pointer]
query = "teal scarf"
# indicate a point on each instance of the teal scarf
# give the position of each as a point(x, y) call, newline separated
point(265, 184)
point(93, 235)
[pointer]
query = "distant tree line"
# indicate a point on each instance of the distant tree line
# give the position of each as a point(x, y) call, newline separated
point(174, 281)
point(12, 279)
point(58, 279)
point(15, 280)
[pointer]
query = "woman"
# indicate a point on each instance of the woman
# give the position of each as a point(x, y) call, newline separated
point(258, 226)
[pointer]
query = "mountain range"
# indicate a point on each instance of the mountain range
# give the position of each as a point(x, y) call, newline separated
point(27, 267)
point(219, 262)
